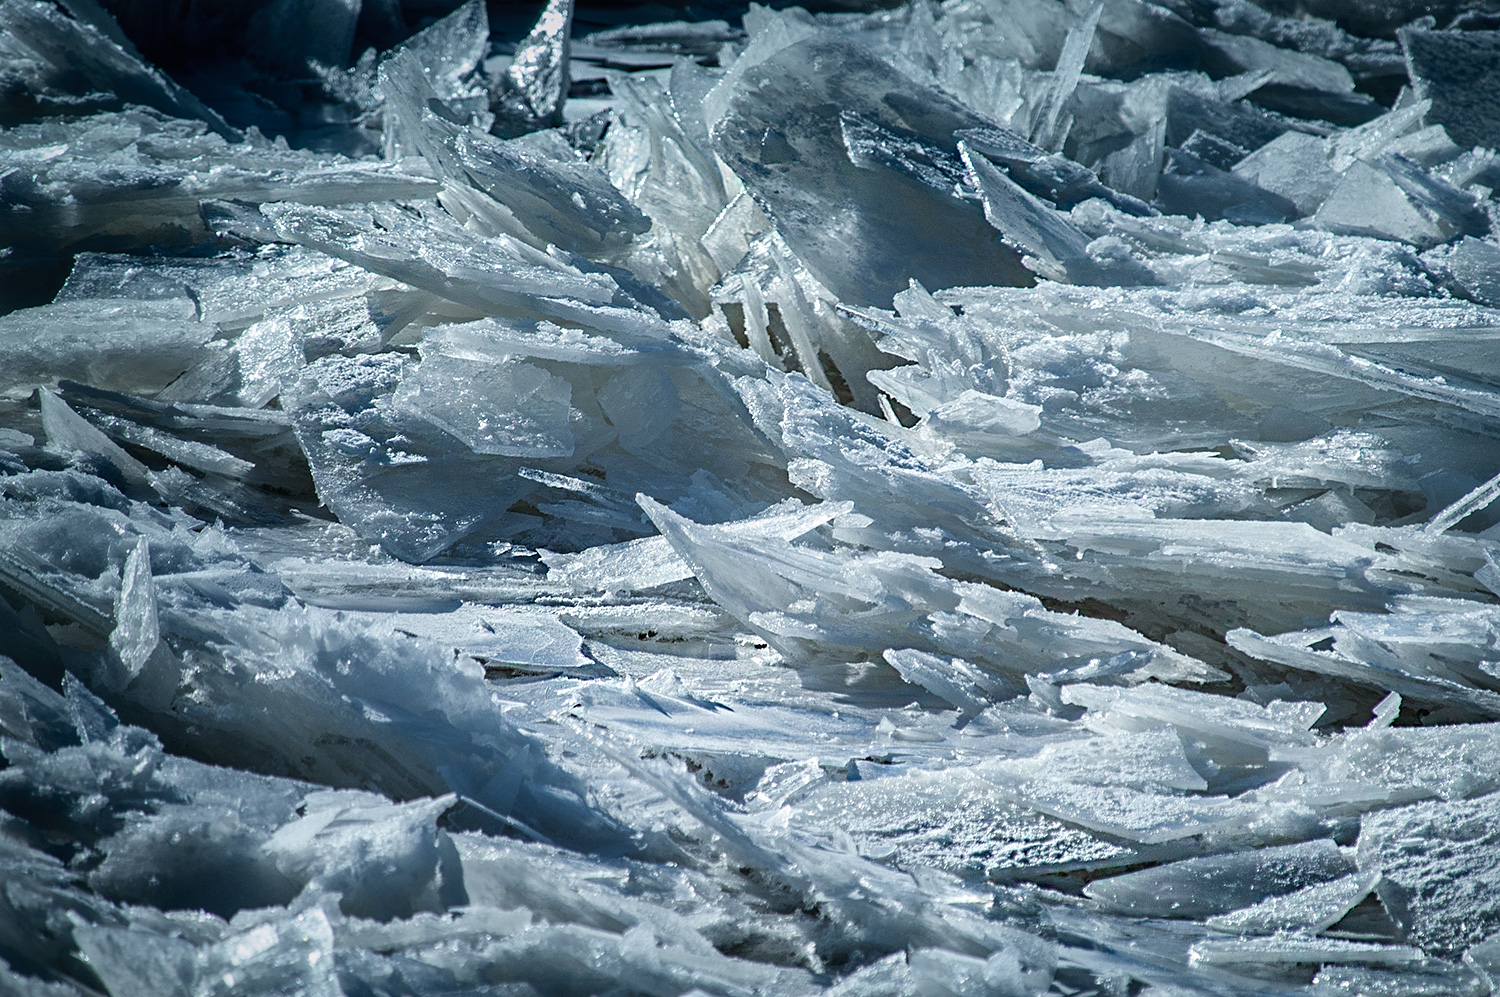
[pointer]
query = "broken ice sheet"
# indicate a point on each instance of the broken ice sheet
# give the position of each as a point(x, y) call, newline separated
point(1308, 911)
point(1315, 950)
point(886, 228)
point(1218, 884)
point(512, 638)
point(1439, 877)
point(1148, 818)
point(1151, 760)
point(513, 409)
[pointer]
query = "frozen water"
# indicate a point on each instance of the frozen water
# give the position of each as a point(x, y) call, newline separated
point(919, 499)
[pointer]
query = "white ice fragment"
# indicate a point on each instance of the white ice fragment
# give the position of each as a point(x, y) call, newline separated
point(1218, 884)
point(1308, 911)
point(511, 637)
point(977, 412)
point(137, 629)
point(1295, 166)
point(1300, 950)
point(952, 679)
point(383, 858)
point(1392, 198)
point(1386, 711)
point(67, 431)
point(1148, 818)
point(1151, 760)
point(508, 408)
point(1440, 884)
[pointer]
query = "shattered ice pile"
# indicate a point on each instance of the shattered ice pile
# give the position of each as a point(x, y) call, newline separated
point(982, 497)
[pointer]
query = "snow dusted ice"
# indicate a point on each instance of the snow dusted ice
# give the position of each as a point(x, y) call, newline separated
point(991, 497)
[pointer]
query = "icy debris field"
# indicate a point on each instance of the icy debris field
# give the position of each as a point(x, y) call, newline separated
point(992, 497)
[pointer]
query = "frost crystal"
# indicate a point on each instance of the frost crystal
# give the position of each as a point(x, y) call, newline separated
point(929, 498)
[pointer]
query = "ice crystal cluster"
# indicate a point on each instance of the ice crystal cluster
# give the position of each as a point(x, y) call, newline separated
point(983, 497)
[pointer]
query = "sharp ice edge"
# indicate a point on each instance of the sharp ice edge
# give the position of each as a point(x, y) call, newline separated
point(912, 502)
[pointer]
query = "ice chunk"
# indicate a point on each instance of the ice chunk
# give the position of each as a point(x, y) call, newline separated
point(286, 955)
point(888, 228)
point(1152, 760)
point(1191, 186)
point(383, 859)
point(1439, 876)
point(510, 638)
point(514, 409)
point(1294, 166)
point(137, 630)
point(1473, 264)
point(69, 432)
point(1149, 818)
point(1218, 884)
point(1393, 199)
point(136, 347)
point(1052, 245)
point(530, 93)
point(1294, 950)
point(1455, 70)
point(86, 47)
point(1308, 911)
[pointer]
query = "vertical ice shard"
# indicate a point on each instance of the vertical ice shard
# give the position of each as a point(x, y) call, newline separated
point(137, 630)
point(530, 93)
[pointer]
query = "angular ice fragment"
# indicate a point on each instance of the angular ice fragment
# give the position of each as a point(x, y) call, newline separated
point(1045, 174)
point(1151, 760)
point(530, 93)
point(1294, 166)
point(1051, 127)
point(1394, 199)
point(558, 197)
point(1287, 66)
point(451, 48)
point(1218, 884)
point(1474, 266)
point(651, 561)
point(864, 232)
point(509, 408)
point(137, 630)
point(1427, 978)
point(1149, 818)
point(1052, 244)
point(1308, 911)
point(1457, 71)
point(953, 680)
point(384, 859)
point(1192, 187)
point(1300, 950)
point(1440, 880)
point(513, 638)
point(1236, 731)
point(86, 47)
point(67, 431)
